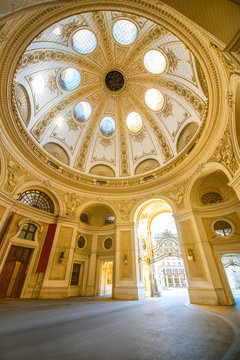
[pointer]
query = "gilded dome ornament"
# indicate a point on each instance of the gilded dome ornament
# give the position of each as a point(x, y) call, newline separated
point(113, 80)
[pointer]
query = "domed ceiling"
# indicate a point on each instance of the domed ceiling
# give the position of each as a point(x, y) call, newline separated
point(110, 94)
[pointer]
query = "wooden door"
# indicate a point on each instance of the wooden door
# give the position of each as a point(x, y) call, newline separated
point(14, 272)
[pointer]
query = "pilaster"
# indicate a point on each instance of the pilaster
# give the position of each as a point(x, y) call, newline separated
point(128, 283)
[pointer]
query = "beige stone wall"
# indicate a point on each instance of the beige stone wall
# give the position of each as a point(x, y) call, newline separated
point(196, 268)
point(88, 246)
point(126, 270)
point(58, 270)
point(101, 238)
point(208, 224)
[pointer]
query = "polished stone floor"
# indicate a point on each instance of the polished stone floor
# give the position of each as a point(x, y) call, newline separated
point(165, 328)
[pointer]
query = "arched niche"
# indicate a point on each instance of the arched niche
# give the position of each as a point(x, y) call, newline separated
point(186, 135)
point(146, 165)
point(96, 214)
point(211, 188)
point(102, 170)
point(57, 151)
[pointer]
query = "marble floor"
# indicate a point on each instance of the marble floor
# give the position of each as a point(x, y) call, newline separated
point(165, 328)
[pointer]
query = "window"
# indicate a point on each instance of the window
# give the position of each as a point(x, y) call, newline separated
point(82, 111)
point(75, 274)
point(211, 198)
point(107, 126)
point(69, 79)
point(53, 165)
point(27, 232)
point(222, 228)
point(37, 199)
point(109, 220)
point(84, 218)
point(154, 99)
point(84, 41)
point(155, 62)
point(124, 32)
point(134, 122)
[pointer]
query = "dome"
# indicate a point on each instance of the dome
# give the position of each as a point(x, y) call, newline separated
point(108, 96)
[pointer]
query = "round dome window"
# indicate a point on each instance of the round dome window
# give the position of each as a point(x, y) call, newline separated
point(124, 32)
point(154, 99)
point(134, 122)
point(222, 228)
point(69, 79)
point(82, 111)
point(107, 126)
point(84, 41)
point(155, 62)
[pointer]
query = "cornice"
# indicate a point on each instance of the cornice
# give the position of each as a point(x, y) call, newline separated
point(210, 211)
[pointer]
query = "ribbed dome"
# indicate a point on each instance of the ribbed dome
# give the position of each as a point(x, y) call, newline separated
point(110, 94)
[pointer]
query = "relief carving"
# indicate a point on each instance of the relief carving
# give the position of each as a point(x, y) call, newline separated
point(168, 108)
point(173, 60)
point(228, 64)
point(3, 38)
point(68, 29)
point(72, 124)
point(72, 202)
point(52, 82)
point(125, 207)
point(16, 174)
point(224, 153)
point(177, 195)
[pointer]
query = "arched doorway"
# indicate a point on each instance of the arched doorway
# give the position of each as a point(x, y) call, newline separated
point(106, 277)
point(231, 264)
point(160, 252)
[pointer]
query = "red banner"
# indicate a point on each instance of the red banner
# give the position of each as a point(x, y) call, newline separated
point(43, 261)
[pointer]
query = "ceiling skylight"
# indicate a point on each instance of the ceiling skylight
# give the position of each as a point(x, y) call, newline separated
point(69, 79)
point(124, 32)
point(84, 41)
point(155, 62)
point(82, 111)
point(154, 99)
point(107, 125)
point(134, 122)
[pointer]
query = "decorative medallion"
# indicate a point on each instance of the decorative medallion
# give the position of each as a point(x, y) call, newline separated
point(114, 80)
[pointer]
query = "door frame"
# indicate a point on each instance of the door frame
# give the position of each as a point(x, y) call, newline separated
point(100, 260)
point(30, 244)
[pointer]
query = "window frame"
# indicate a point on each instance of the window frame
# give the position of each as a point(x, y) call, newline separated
point(27, 231)
point(73, 273)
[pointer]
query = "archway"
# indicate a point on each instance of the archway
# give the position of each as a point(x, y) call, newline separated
point(167, 262)
point(106, 278)
point(163, 269)
point(231, 264)
point(95, 250)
